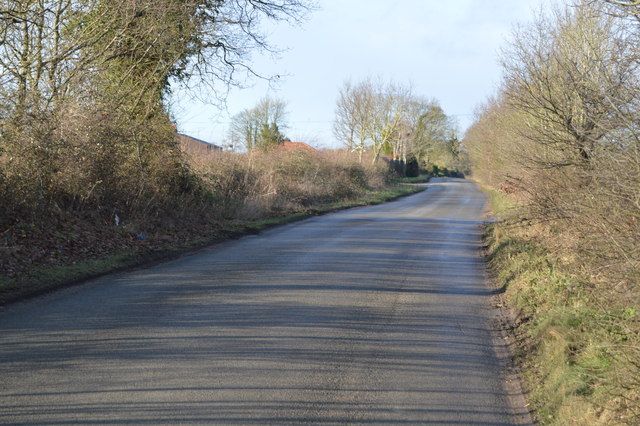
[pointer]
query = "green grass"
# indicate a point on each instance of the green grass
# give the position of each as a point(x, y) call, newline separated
point(416, 179)
point(42, 280)
point(569, 349)
point(393, 193)
point(500, 204)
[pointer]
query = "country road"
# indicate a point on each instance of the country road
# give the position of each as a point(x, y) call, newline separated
point(371, 315)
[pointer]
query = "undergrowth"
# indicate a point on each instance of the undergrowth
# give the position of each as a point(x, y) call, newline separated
point(215, 197)
point(578, 349)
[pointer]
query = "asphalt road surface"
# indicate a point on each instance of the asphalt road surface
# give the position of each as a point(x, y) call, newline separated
point(371, 315)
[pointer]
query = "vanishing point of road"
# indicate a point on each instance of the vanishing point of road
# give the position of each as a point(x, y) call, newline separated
point(371, 315)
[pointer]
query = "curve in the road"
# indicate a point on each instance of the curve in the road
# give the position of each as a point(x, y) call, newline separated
point(377, 314)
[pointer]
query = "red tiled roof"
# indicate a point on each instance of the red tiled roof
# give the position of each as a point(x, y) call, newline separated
point(293, 146)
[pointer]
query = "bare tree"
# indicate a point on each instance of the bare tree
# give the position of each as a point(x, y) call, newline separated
point(565, 128)
point(85, 82)
point(389, 119)
point(261, 125)
point(345, 123)
point(42, 53)
point(624, 7)
point(569, 73)
point(49, 46)
point(434, 130)
point(389, 105)
point(244, 128)
point(369, 115)
point(354, 113)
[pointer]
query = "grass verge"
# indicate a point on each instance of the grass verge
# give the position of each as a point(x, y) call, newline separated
point(571, 350)
point(499, 204)
point(416, 179)
point(42, 280)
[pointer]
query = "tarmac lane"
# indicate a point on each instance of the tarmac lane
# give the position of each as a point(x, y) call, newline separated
point(371, 315)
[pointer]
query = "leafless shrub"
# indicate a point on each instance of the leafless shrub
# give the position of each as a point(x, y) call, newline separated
point(563, 131)
point(259, 183)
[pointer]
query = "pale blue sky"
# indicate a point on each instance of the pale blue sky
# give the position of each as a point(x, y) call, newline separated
point(447, 50)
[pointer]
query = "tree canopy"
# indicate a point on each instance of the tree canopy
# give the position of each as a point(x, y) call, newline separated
point(389, 119)
point(260, 126)
point(84, 85)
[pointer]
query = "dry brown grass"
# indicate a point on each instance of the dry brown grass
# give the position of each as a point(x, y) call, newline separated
point(562, 140)
point(259, 184)
point(580, 336)
point(60, 194)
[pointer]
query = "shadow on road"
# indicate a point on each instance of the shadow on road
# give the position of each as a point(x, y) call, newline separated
point(359, 317)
